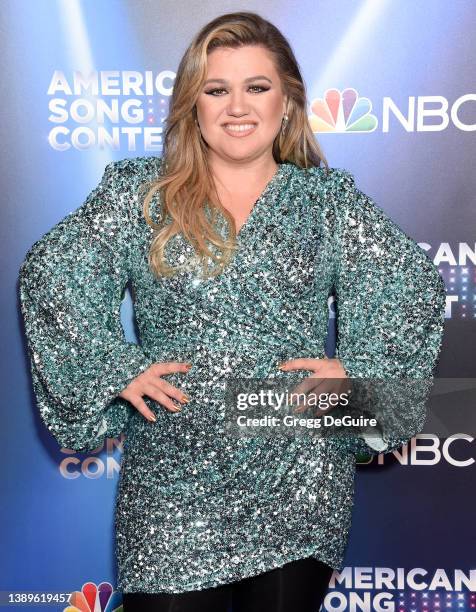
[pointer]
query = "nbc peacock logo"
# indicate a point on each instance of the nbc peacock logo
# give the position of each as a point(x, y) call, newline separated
point(95, 598)
point(342, 111)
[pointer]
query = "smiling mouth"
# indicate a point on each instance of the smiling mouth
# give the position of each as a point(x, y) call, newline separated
point(240, 130)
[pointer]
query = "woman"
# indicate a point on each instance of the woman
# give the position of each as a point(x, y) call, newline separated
point(231, 270)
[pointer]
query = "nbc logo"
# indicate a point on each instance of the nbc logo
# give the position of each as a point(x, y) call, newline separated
point(342, 112)
point(95, 598)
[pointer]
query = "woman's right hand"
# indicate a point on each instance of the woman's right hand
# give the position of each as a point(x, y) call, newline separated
point(149, 383)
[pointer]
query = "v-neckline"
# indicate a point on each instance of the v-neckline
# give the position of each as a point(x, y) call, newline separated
point(258, 201)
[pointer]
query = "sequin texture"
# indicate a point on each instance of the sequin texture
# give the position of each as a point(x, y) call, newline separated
point(195, 507)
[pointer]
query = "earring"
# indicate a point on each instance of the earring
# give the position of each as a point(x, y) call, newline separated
point(284, 123)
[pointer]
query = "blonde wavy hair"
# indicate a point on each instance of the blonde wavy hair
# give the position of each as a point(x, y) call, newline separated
point(185, 184)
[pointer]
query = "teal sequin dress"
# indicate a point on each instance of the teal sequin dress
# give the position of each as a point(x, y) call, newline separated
point(196, 508)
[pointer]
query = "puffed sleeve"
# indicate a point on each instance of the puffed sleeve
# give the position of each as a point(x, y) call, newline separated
point(71, 285)
point(390, 307)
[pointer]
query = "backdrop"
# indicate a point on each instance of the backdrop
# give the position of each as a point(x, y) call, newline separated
point(88, 82)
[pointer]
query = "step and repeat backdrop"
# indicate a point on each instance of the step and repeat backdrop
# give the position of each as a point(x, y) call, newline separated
point(392, 98)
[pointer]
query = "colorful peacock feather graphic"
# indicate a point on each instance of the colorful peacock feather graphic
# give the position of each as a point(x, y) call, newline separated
point(342, 112)
point(95, 598)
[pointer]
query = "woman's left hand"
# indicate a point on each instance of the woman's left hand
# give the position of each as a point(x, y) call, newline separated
point(328, 376)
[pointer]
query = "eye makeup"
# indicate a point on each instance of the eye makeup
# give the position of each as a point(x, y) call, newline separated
point(212, 91)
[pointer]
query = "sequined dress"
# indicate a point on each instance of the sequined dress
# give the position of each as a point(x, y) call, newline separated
point(196, 507)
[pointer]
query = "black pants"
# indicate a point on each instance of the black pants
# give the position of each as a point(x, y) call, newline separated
point(298, 585)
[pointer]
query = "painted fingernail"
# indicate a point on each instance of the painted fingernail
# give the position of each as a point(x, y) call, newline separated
point(185, 399)
point(281, 366)
point(153, 417)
